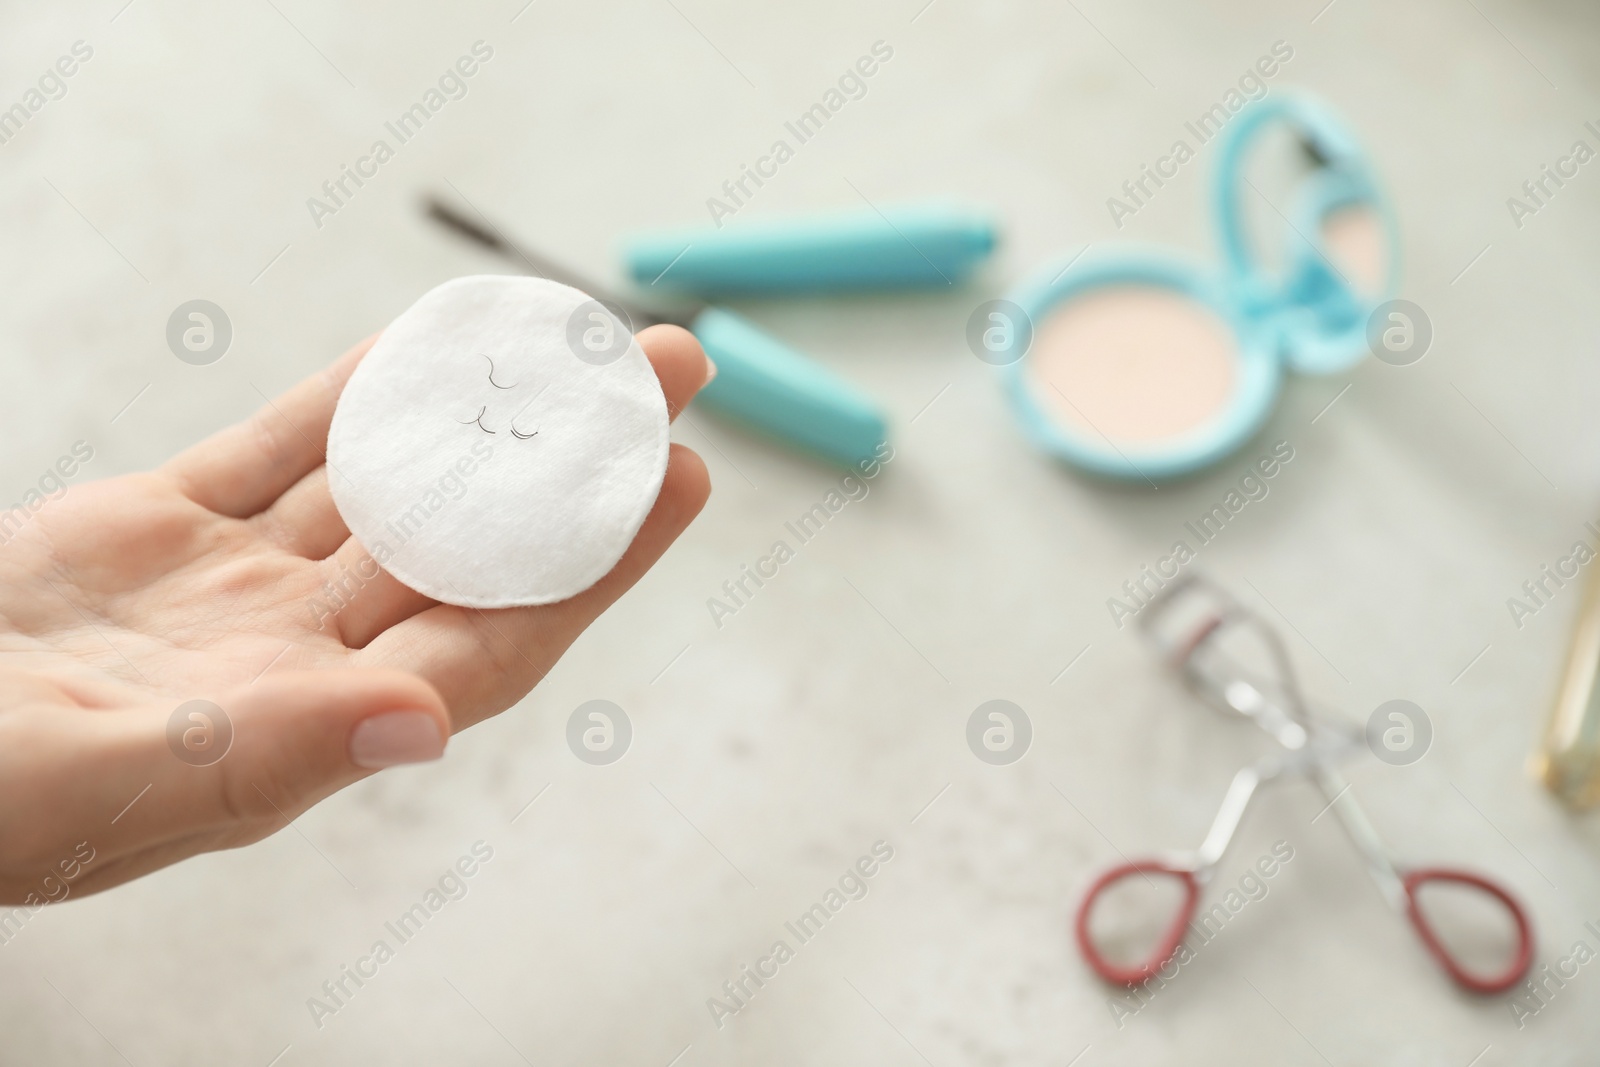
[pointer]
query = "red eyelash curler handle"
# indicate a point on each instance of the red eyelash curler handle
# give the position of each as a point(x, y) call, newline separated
point(1473, 983)
point(1171, 938)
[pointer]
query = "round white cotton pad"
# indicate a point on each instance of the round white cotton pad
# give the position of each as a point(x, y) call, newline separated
point(500, 445)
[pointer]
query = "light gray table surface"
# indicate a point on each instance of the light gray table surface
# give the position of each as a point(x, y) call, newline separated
point(825, 715)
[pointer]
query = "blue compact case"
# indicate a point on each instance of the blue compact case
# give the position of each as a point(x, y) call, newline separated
point(1303, 316)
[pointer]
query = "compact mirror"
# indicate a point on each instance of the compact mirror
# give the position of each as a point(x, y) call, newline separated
point(1146, 367)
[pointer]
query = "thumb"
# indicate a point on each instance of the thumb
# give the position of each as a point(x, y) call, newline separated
point(300, 736)
point(208, 774)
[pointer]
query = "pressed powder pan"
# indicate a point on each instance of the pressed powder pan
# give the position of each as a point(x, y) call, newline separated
point(1134, 363)
point(1142, 366)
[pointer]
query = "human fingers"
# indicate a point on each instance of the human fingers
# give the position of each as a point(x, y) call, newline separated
point(304, 520)
point(681, 365)
point(379, 601)
point(244, 763)
point(240, 470)
point(123, 792)
point(482, 662)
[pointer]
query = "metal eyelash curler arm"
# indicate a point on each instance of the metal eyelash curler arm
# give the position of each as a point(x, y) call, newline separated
point(1309, 743)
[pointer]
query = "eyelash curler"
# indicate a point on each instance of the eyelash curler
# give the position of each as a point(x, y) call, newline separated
point(1189, 622)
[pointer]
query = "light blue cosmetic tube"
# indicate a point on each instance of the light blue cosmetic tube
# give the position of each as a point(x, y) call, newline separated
point(783, 394)
point(910, 246)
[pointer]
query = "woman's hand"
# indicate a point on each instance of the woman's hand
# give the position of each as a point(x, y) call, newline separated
point(227, 577)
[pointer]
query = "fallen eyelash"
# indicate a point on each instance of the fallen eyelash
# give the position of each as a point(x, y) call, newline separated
point(492, 382)
point(477, 420)
point(523, 436)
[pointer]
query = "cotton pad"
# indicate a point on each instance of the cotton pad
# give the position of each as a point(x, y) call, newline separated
point(501, 443)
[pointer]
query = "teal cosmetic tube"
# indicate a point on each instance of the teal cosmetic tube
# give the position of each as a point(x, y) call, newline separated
point(781, 393)
point(905, 247)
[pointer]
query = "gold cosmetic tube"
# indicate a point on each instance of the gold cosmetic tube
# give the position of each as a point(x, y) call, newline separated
point(1568, 760)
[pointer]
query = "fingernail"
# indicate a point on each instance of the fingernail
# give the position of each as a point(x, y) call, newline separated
point(395, 737)
point(711, 372)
